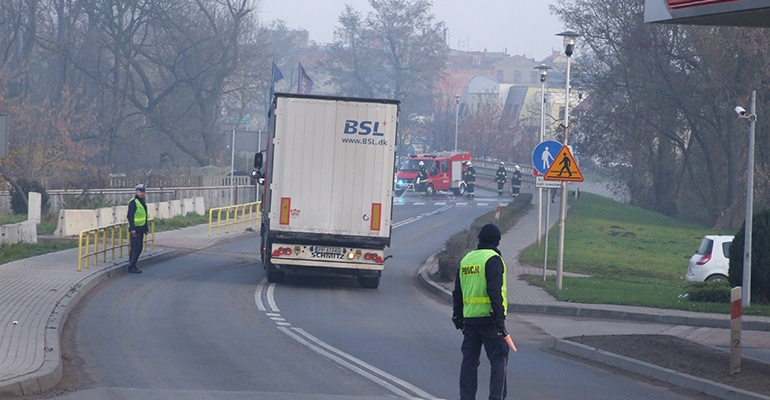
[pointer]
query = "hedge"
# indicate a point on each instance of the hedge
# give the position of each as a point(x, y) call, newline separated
point(459, 244)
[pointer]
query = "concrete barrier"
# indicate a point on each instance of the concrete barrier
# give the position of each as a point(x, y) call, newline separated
point(10, 234)
point(34, 202)
point(174, 208)
point(198, 206)
point(152, 210)
point(121, 214)
point(72, 222)
point(188, 206)
point(23, 232)
point(27, 231)
point(105, 216)
point(163, 210)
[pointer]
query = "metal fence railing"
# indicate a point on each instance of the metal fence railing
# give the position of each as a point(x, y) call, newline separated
point(249, 212)
point(111, 237)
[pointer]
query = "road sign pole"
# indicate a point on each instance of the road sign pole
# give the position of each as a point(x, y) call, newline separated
point(547, 222)
point(563, 213)
point(232, 167)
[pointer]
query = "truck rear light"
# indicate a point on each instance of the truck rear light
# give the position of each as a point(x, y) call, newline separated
point(351, 255)
point(379, 259)
point(368, 256)
point(704, 259)
point(282, 251)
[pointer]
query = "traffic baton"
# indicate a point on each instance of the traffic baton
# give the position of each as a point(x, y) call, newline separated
point(508, 340)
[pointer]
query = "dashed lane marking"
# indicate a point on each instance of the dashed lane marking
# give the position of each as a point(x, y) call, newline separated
point(390, 382)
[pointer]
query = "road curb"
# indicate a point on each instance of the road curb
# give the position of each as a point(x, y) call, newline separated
point(578, 311)
point(429, 284)
point(652, 371)
point(51, 372)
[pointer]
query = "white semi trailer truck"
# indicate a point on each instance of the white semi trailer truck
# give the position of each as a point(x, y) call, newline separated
point(328, 186)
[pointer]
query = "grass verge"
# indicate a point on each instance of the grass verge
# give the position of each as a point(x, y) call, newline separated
point(634, 257)
point(19, 251)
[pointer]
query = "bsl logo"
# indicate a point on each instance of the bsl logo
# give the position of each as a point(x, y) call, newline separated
point(363, 128)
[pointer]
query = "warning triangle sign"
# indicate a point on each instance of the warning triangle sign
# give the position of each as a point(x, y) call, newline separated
point(564, 168)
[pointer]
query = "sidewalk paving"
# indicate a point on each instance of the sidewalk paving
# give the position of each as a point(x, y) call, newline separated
point(37, 293)
point(533, 304)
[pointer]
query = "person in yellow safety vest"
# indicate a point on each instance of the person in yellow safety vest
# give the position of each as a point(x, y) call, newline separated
point(137, 227)
point(516, 181)
point(470, 178)
point(479, 308)
point(422, 180)
point(501, 176)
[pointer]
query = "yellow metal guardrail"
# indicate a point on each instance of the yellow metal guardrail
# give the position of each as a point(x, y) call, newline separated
point(114, 242)
point(249, 213)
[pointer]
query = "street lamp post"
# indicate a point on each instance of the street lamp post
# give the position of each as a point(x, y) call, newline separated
point(543, 76)
point(457, 118)
point(752, 117)
point(569, 48)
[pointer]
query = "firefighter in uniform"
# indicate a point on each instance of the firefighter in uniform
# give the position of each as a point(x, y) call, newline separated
point(422, 180)
point(470, 178)
point(516, 181)
point(479, 310)
point(137, 227)
point(501, 177)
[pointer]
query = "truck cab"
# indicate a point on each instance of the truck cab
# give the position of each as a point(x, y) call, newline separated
point(445, 172)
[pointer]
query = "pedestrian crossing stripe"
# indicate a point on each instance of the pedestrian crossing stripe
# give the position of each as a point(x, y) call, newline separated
point(564, 162)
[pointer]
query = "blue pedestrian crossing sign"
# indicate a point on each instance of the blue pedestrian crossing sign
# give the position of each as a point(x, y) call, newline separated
point(544, 155)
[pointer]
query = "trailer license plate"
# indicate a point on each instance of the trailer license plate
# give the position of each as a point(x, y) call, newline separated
point(328, 250)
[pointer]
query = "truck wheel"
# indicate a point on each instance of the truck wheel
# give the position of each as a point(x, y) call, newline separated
point(369, 282)
point(430, 190)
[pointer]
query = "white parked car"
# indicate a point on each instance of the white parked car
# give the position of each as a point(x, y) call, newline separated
point(711, 261)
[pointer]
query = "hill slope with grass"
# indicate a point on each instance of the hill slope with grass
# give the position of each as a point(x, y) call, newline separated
point(634, 257)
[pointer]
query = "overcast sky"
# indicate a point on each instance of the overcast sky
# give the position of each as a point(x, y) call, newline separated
point(522, 26)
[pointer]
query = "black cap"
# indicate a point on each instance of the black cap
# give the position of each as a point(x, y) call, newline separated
point(490, 234)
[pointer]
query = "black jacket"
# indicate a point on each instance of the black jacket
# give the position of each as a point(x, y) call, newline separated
point(132, 211)
point(494, 273)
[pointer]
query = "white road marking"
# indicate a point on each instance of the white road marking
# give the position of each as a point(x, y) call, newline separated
point(421, 216)
point(392, 383)
point(258, 295)
point(462, 203)
point(419, 203)
point(397, 381)
point(271, 298)
point(441, 203)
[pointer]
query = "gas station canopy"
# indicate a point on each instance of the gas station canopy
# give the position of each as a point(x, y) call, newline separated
point(747, 13)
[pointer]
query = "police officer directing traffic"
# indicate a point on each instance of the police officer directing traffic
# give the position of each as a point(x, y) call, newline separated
point(470, 178)
point(479, 309)
point(500, 177)
point(137, 226)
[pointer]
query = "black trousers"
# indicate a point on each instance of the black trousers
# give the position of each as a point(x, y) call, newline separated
point(500, 188)
point(471, 186)
point(137, 242)
point(497, 353)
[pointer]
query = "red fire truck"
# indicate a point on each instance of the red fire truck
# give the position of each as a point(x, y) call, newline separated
point(445, 172)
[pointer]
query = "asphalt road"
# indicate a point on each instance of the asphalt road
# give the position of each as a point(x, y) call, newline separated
point(208, 326)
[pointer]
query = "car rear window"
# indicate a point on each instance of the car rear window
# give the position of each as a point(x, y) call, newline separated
point(726, 249)
point(705, 247)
